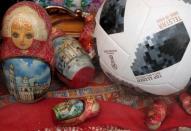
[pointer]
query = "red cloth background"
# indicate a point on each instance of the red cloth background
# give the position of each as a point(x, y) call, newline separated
point(29, 117)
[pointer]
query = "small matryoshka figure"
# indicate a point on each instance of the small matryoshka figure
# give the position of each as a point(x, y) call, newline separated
point(72, 112)
point(26, 51)
point(72, 64)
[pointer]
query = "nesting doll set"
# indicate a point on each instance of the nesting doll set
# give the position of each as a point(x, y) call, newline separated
point(30, 53)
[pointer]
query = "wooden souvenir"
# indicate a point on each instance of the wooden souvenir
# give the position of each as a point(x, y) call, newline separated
point(72, 63)
point(75, 111)
point(26, 52)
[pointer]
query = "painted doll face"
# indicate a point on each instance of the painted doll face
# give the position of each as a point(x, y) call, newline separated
point(22, 33)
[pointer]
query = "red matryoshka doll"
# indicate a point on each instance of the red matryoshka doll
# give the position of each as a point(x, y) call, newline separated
point(26, 52)
point(72, 63)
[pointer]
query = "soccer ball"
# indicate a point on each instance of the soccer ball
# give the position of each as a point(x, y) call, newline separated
point(146, 43)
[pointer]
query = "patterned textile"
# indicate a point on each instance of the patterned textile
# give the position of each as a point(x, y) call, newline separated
point(97, 128)
point(102, 89)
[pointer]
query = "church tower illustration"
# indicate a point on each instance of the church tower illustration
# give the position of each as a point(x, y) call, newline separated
point(26, 91)
point(12, 81)
point(23, 86)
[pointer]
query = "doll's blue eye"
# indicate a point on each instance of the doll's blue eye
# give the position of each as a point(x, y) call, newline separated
point(29, 36)
point(15, 35)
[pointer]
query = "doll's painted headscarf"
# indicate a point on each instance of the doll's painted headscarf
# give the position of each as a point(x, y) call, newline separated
point(31, 22)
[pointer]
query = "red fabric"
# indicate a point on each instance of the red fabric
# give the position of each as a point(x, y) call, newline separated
point(26, 117)
point(81, 79)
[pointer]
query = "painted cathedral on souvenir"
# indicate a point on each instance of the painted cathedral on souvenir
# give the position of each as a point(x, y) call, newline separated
point(30, 86)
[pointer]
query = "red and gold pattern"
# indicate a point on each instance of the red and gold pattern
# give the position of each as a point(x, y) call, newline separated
point(86, 37)
point(156, 114)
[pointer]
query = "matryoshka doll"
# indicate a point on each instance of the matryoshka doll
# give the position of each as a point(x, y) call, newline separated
point(26, 52)
point(72, 64)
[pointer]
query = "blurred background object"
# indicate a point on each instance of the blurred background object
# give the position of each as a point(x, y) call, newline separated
point(66, 20)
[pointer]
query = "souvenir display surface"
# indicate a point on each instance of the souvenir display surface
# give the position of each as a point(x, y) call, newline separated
point(39, 61)
point(100, 87)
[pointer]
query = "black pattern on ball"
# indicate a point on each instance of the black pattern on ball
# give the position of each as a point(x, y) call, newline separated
point(161, 50)
point(112, 16)
point(187, 1)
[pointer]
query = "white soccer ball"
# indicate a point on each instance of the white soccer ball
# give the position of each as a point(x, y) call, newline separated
point(146, 43)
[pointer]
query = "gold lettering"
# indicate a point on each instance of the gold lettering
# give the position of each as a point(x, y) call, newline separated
point(169, 20)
